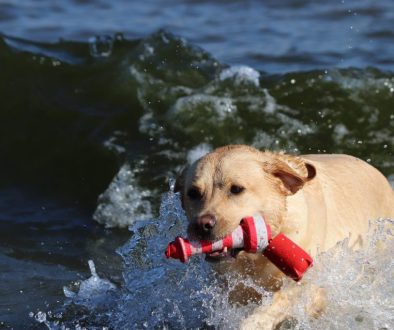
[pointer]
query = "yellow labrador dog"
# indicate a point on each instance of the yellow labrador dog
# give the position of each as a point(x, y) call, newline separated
point(315, 200)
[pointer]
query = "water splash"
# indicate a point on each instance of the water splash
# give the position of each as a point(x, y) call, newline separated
point(241, 75)
point(101, 46)
point(88, 305)
point(161, 293)
point(358, 284)
point(166, 287)
point(123, 202)
point(197, 152)
point(92, 292)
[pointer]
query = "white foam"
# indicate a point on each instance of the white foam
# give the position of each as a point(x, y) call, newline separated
point(357, 86)
point(222, 106)
point(358, 284)
point(340, 131)
point(123, 202)
point(197, 152)
point(270, 105)
point(263, 140)
point(241, 74)
point(113, 144)
point(92, 291)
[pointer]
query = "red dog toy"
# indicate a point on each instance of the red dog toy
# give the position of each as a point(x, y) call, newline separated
point(252, 235)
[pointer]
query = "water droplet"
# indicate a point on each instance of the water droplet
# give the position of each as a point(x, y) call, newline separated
point(101, 46)
point(119, 36)
point(92, 268)
point(41, 317)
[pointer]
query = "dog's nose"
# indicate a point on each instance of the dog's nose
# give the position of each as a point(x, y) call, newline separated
point(206, 222)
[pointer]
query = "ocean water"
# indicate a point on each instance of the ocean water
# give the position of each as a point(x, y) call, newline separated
point(103, 103)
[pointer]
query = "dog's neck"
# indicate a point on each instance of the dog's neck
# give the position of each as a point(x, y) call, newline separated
point(300, 218)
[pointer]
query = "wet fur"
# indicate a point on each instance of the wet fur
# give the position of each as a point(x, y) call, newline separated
point(316, 200)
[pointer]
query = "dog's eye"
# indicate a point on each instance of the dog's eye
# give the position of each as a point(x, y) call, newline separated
point(194, 193)
point(235, 190)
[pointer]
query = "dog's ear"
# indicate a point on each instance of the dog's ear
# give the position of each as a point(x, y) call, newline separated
point(293, 172)
point(180, 184)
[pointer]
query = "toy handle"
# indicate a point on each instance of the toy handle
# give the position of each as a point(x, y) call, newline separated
point(290, 258)
point(252, 235)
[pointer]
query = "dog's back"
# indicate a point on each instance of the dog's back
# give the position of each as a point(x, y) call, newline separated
point(344, 197)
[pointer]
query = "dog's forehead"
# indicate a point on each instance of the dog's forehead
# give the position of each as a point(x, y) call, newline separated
point(241, 160)
point(222, 167)
point(202, 170)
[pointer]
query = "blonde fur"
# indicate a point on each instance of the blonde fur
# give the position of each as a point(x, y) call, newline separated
point(316, 200)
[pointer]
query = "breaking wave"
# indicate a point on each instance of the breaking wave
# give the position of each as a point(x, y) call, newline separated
point(161, 102)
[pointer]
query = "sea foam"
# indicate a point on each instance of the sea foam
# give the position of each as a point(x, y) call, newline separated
point(123, 202)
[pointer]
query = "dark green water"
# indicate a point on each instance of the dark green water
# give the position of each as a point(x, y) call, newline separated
point(65, 114)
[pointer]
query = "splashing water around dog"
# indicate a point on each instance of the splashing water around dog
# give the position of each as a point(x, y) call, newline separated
point(164, 294)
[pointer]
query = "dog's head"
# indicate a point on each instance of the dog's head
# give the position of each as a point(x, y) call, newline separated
point(235, 181)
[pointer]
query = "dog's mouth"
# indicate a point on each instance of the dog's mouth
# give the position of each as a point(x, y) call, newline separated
point(224, 254)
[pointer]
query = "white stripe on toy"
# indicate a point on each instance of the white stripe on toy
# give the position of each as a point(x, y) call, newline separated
point(261, 232)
